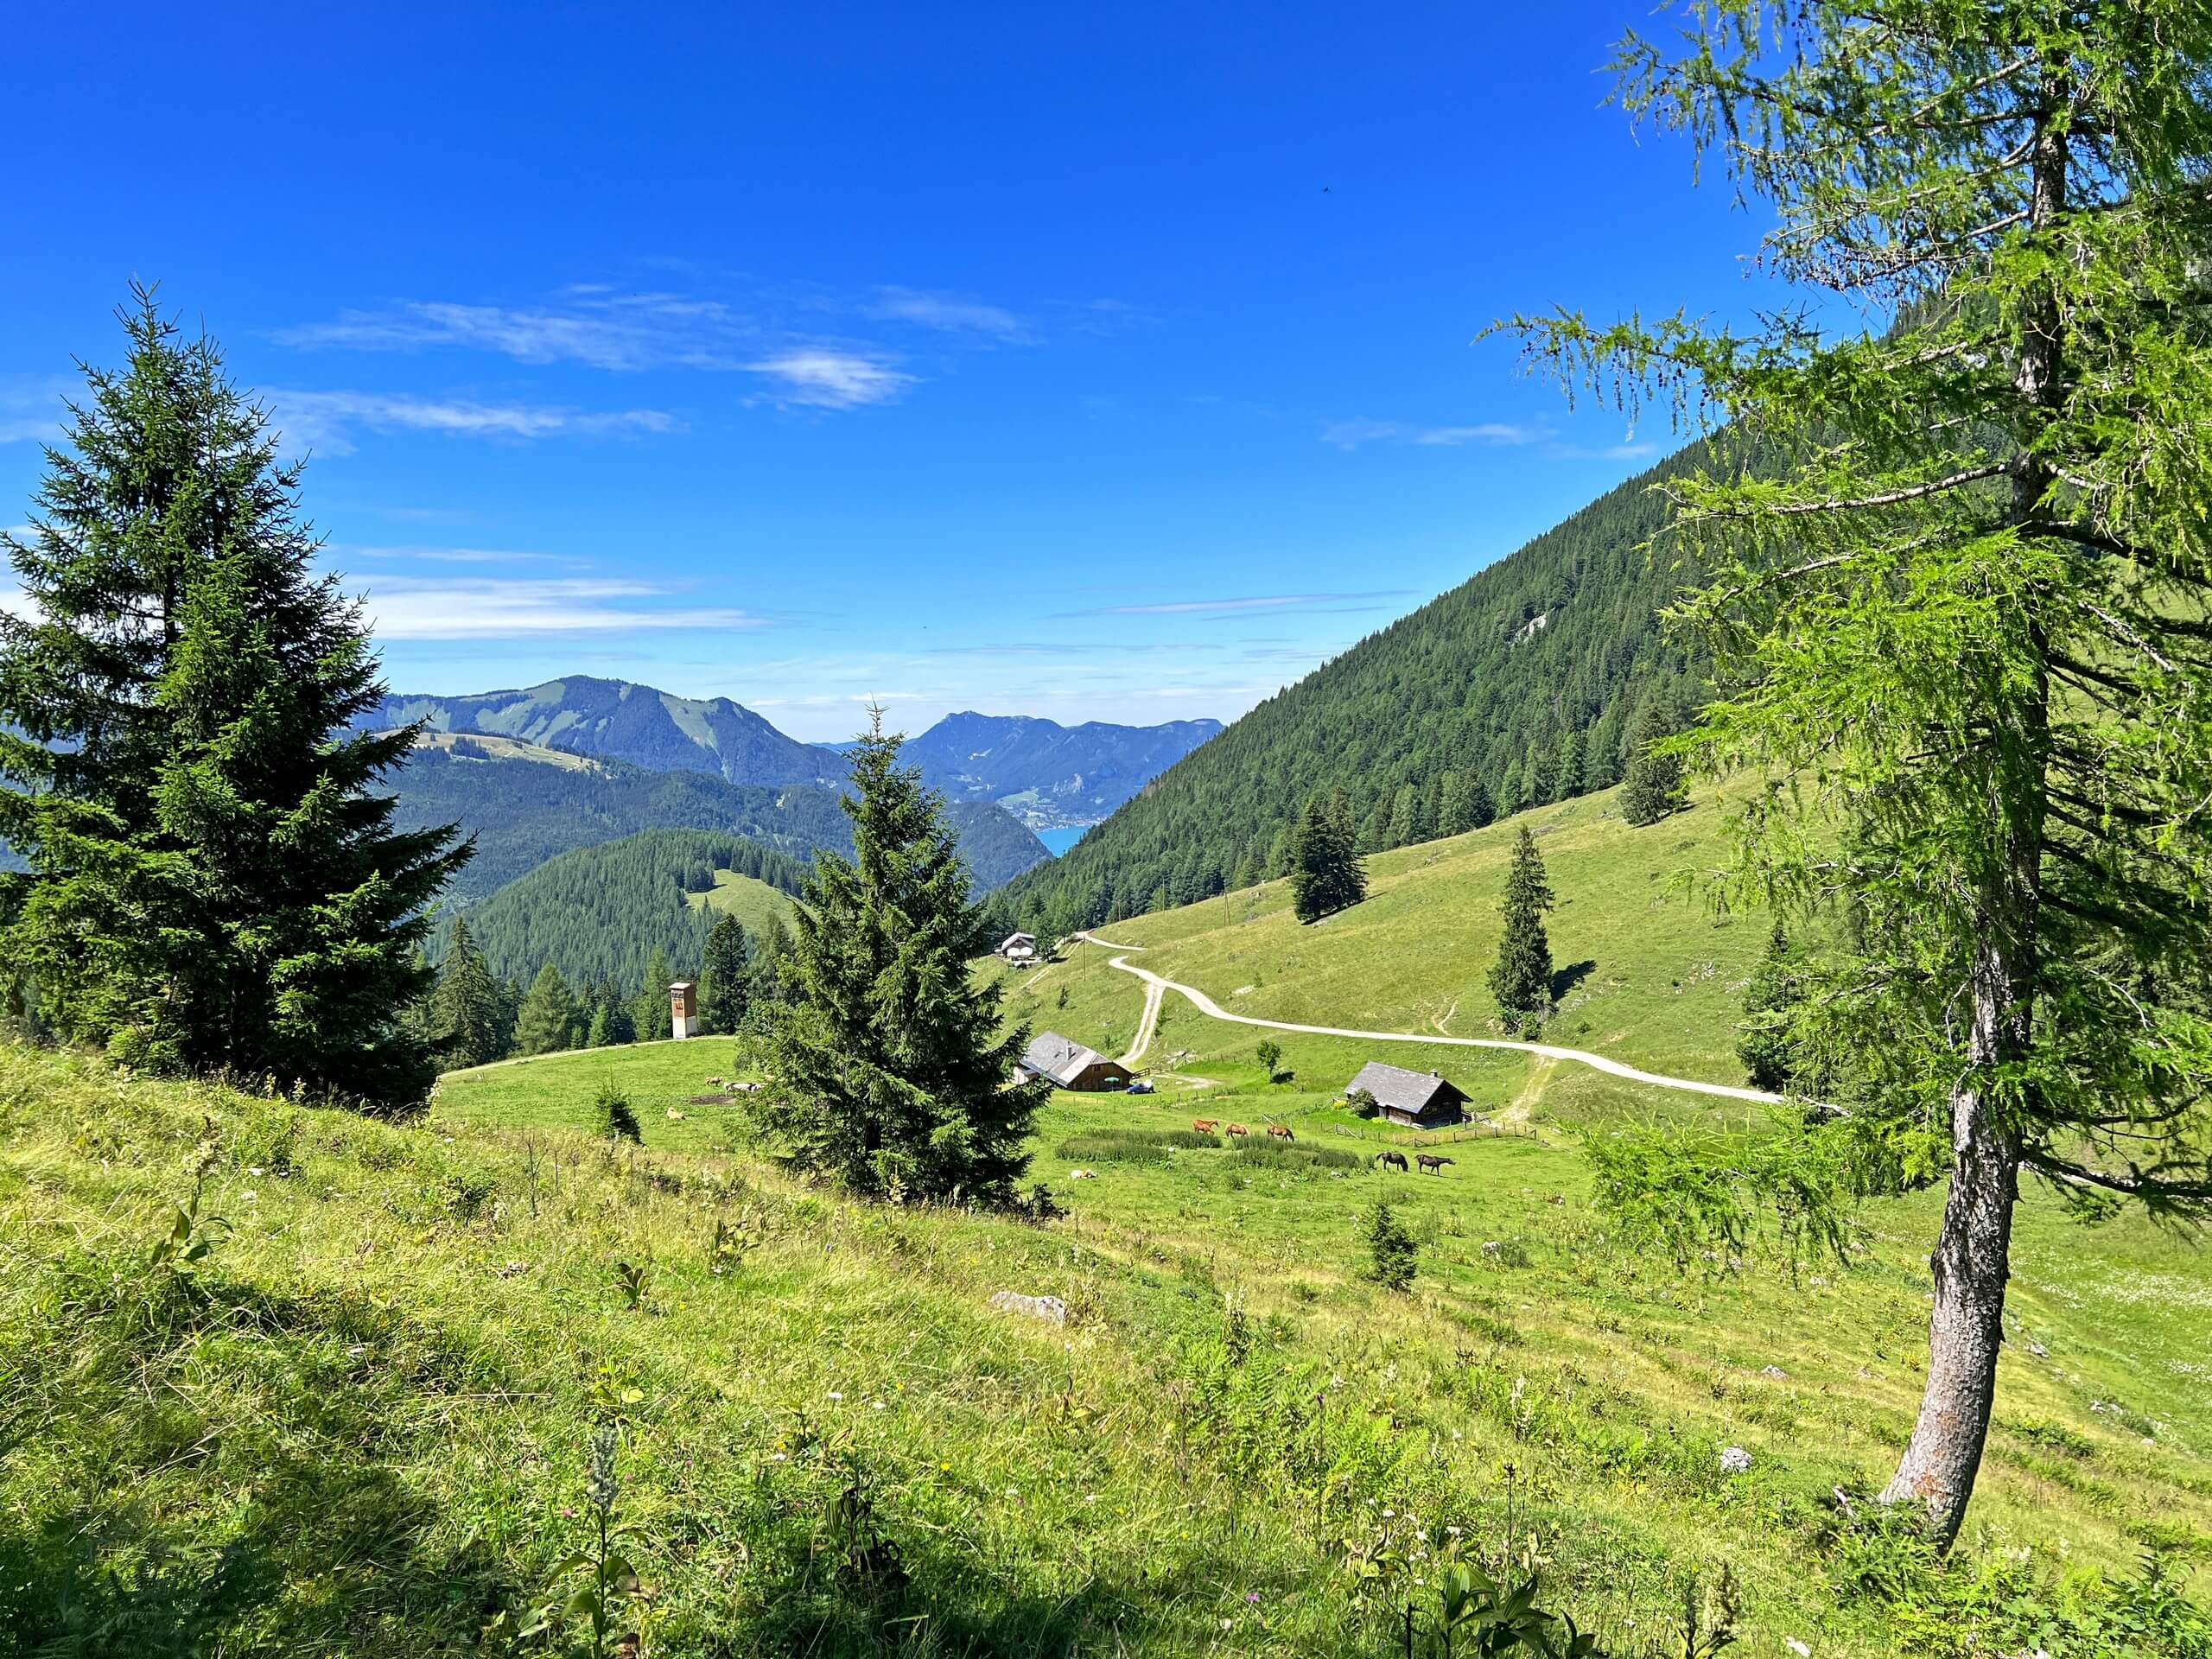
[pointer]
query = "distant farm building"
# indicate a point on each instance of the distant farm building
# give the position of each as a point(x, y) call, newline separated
point(1420, 1100)
point(1066, 1063)
point(1019, 948)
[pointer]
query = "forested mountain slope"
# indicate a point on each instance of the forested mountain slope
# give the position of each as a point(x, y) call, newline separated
point(1529, 678)
point(524, 810)
point(600, 912)
point(624, 721)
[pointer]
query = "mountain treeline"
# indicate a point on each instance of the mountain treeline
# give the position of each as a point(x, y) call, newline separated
point(523, 813)
point(599, 913)
point(1535, 680)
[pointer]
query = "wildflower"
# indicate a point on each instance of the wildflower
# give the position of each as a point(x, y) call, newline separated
point(834, 1395)
point(601, 1486)
point(248, 1196)
point(1252, 1597)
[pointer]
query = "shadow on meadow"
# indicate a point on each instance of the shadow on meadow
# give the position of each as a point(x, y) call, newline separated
point(224, 1462)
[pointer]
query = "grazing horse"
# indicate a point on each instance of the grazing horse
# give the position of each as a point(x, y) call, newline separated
point(1394, 1160)
point(1205, 1125)
point(1236, 1129)
point(1282, 1130)
point(1430, 1163)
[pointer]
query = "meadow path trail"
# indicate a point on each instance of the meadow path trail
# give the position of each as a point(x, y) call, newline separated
point(1156, 986)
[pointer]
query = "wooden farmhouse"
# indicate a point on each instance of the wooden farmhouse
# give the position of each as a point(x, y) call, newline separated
point(1066, 1063)
point(1420, 1100)
point(1020, 948)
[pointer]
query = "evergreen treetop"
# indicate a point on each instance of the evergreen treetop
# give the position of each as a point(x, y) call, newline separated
point(214, 883)
point(889, 1069)
point(1521, 981)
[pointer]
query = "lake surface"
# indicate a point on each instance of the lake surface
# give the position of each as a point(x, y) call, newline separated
point(1058, 840)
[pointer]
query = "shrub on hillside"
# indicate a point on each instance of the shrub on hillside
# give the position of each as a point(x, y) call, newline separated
point(1391, 1251)
point(616, 1118)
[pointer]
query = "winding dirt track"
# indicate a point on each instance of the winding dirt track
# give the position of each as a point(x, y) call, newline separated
point(1156, 987)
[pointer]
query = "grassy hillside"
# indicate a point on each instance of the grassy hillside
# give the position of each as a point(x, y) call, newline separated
point(1649, 973)
point(362, 1426)
point(752, 901)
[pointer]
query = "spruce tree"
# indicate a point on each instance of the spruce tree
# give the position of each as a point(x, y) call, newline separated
point(1521, 980)
point(650, 1019)
point(888, 1067)
point(1653, 787)
point(725, 981)
point(547, 1020)
point(214, 883)
point(465, 1024)
point(1325, 872)
point(1959, 592)
point(1482, 812)
point(1763, 1042)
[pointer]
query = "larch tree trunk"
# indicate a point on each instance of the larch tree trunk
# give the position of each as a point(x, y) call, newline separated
point(1972, 1262)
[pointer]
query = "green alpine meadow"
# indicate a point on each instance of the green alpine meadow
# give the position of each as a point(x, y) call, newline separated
point(1433, 874)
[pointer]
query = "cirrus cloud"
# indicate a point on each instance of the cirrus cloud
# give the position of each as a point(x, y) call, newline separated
point(490, 608)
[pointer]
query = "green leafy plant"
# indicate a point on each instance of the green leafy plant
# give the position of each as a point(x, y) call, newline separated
point(191, 1236)
point(868, 1561)
point(630, 1280)
point(607, 1589)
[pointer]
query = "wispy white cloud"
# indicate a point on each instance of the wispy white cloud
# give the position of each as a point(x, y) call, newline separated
point(329, 420)
point(474, 607)
point(32, 408)
point(1239, 606)
point(826, 379)
point(1353, 434)
point(599, 328)
point(951, 312)
point(446, 554)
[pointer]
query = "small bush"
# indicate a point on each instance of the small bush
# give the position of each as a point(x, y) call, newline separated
point(617, 1121)
point(1391, 1251)
point(1278, 1154)
point(1132, 1145)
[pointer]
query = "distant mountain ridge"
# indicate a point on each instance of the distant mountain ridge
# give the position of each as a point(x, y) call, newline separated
point(1046, 774)
point(621, 719)
point(525, 805)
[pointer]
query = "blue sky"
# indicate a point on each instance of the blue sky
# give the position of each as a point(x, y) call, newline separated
point(1115, 364)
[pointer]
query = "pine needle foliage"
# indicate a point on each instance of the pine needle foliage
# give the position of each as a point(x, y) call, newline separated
point(1958, 590)
point(214, 881)
point(1520, 980)
point(1325, 872)
point(890, 1069)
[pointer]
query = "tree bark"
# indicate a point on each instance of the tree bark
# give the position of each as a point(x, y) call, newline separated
point(1972, 1264)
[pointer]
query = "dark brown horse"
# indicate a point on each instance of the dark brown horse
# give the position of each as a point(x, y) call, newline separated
point(1394, 1160)
point(1430, 1163)
point(1236, 1129)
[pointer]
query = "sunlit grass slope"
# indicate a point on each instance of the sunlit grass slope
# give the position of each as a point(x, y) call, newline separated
point(752, 901)
point(1651, 971)
point(363, 1430)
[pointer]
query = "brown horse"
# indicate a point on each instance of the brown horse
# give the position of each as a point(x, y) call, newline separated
point(1394, 1160)
point(1281, 1131)
point(1236, 1129)
point(1205, 1125)
point(1430, 1163)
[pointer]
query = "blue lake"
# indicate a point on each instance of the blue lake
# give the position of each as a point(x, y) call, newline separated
point(1058, 840)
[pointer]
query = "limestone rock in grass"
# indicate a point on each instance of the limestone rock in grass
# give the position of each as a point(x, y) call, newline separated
point(1049, 1308)
point(1774, 1371)
point(1735, 1461)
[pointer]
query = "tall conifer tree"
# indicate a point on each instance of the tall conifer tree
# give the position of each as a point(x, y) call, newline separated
point(1959, 593)
point(547, 1020)
point(1522, 979)
point(466, 1027)
point(725, 981)
point(888, 1067)
point(214, 881)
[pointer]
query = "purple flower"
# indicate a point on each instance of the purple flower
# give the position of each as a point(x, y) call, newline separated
point(1252, 1597)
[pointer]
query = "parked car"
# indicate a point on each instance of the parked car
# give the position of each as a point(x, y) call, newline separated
point(1141, 1086)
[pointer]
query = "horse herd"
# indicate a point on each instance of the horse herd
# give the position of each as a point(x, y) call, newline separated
point(1429, 1162)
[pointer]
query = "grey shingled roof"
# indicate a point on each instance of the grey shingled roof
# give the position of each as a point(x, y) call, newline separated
point(1058, 1058)
point(1398, 1089)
